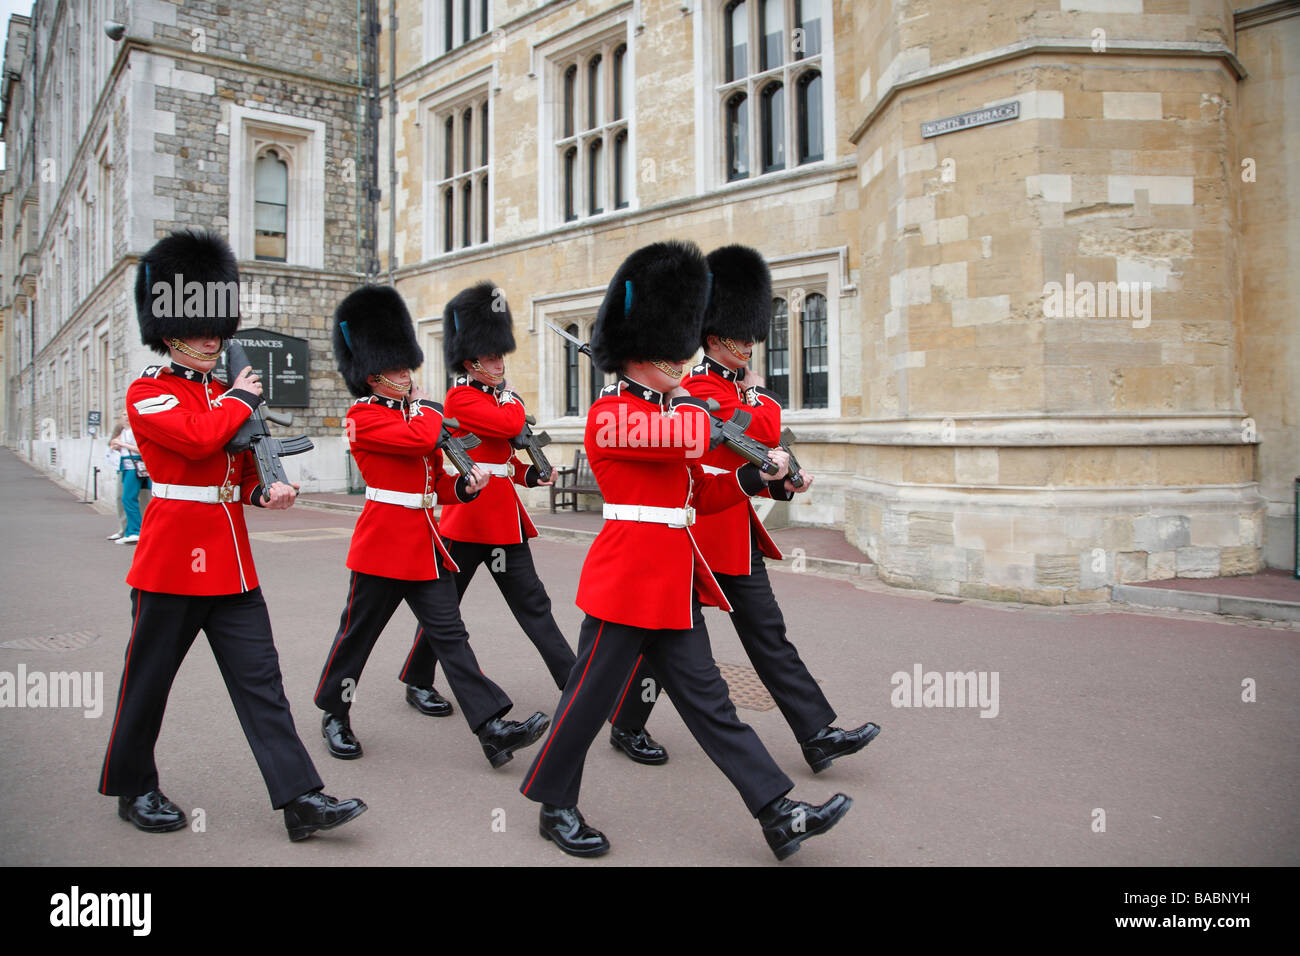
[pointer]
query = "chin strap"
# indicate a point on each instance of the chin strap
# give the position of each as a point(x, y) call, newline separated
point(389, 383)
point(730, 346)
point(482, 371)
point(674, 373)
point(184, 349)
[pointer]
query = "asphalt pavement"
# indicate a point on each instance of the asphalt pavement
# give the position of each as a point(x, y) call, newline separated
point(1115, 736)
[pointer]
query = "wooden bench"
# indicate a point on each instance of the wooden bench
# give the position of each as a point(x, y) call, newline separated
point(572, 481)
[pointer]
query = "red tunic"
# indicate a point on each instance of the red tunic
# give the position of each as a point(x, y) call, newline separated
point(640, 573)
point(394, 445)
point(724, 535)
point(496, 516)
point(182, 420)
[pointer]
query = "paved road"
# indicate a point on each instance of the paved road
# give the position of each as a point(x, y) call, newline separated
point(1138, 715)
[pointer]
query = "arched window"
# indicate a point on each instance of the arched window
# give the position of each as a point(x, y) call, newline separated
point(737, 138)
point(595, 92)
point(483, 134)
point(448, 219)
point(772, 118)
point(810, 117)
point(777, 362)
point(571, 373)
point(466, 138)
point(772, 34)
point(815, 369)
point(596, 178)
point(448, 138)
point(570, 170)
point(271, 207)
point(570, 92)
point(737, 45)
point(620, 65)
point(620, 170)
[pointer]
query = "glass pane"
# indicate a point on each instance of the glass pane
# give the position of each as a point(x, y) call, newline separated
point(596, 178)
point(777, 363)
point(571, 373)
point(448, 136)
point(270, 217)
point(271, 178)
point(570, 161)
point(464, 21)
point(810, 16)
point(737, 138)
point(466, 214)
point(448, 219)
point(620, 66)
point(773, 118)
point(810, 117)
point(447, 35)
point(485, 212)
point(466, 138)
point(595, 92)
point(483, 15)
point(483, 134)
point(773, 34)
point(620, 170)
point(815, 369)
point(737, 41)
point(570, 91)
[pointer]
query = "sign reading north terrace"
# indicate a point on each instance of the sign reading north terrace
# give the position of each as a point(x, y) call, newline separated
point(281, 361)
point(990, 114)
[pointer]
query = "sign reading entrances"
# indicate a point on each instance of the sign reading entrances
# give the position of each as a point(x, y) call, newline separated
point(281, 361)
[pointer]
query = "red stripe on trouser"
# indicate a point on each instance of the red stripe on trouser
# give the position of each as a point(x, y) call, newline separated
point(556, 729)
point(407, 666)
point(121, 694)
point(346, 624)
point(622, 697)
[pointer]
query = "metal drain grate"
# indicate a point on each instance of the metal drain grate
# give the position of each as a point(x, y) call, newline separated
point(746, 689)
point(58, 643)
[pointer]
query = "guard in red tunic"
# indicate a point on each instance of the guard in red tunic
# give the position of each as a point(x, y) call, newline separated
point(494, 528)
point(397, 553)
point(193, 569)
point(644, 578)
point(733, 540)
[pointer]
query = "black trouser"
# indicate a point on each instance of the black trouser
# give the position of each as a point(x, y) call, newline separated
point(239, 632)
point(684, 661)
point(511, 566)
point(761, 629)
point(371, 603)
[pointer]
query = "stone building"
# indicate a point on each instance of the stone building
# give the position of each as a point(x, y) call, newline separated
point(242, 117)
point(1034, 314)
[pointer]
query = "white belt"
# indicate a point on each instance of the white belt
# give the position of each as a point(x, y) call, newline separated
point(208, 494)
point(407, 499)
point(504, 469)
point(673, 517)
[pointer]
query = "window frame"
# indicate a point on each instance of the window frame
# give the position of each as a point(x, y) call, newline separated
point(446, 141)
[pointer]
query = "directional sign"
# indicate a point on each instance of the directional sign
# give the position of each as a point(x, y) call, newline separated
point(282, 362)
point(93, 419)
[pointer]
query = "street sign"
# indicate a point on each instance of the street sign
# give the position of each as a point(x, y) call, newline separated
point(93, 419)
point(282, 362)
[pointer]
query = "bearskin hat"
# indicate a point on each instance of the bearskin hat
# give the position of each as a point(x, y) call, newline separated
point(653, 306)
point(476, 322)
point(187, 285)
point(740, 303)
point(372, 333)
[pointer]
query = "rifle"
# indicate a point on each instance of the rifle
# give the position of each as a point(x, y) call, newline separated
point(457, 449)
point(732, 434)
point(787, 440)
point(532, 442)
point(254, 436)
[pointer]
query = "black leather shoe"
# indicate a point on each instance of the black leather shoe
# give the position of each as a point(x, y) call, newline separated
point(428, 701)
point(152, 812)
point(570, 832)
point(339, 738)
point(787, 823)
point(638, 745)
point(501, 738)
point(314, 811)
point(831, 742)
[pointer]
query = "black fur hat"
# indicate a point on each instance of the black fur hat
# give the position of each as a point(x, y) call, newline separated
point(372, 333)
point(169, 304)
point(653, 306)
point(740, 305)
point(476, 322)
